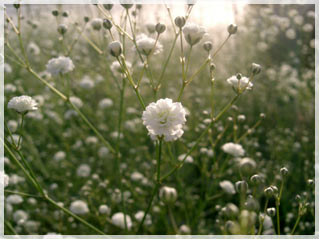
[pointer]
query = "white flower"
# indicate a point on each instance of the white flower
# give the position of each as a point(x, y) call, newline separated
point(139, 216)
point(79, 207)
point(83, 171)
point(168, 194)
point(14, 199)
point(22, 104)
point(33, 49)
point(118, 220)
point(136, 176)
point(145, 45)
point(117, 69)
point(59, 65)
point(103, 152)
point(189, 159)
point(235, 150)
point(184, 229)
point(240, 84)
point(20, 216)
point(105, 103)
point(60, 155)
point(76, 101)
point(164, 119)
point(227, 187)
point(103, 209)
point(115, 48)
point(5, 179)
point(86, 83)
point(193, 33)
point(291, 34)
point(97, 23)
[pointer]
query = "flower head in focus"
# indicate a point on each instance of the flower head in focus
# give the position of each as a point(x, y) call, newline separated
point(146, 44)
point(79, 207)
point(164, 118)
point(193, 33)
point(60, 65)
point(240, 83)
point(23, 104)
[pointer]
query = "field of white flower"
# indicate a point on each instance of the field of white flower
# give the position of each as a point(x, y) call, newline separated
point(132, 119)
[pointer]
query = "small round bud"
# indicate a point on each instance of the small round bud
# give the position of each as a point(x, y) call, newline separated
point(298, 198)
point(160, 28)
point(65, 14)
point(247, 166)
point(262, 115)
point(168, 194)
point(115, 48)
point(239, 76)
point(55, 13)
point(284, 171)
point(230, 211)
point(16, 6)
point(255, 68)
point(96, 24)
point(232, 29)
point(269, 192)
point(139, 6)
point(275, 189)
point(107, 24)
point(127, 6)
point(208, 46)
point(212, 67)
point(180, 21)
point(62, 29)
point(251, 204)
point(241, 186)
point(310, 182)
point(271, 211)
point(108, 6)
point(255, 179)
point(86, 19)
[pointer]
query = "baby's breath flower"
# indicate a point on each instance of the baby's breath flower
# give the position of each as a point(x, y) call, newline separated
point(79, 207)
point(164, 119)
point(227, 187)
point(96, 23)
point(60, 65)
point(115, 48)
point(146, 44)
point(168, 194)
point(193, 33)
point(235, 150)
point(240, 83)
point(118, 220)
point(22, 104)
point(83, 171)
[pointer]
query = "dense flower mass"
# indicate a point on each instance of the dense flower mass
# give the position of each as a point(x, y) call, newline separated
point(118, 220)
point(193, 33)
point(60, 65)
point(23, 104)
point(146, 44)
point(235, 150)
point(79, 207)
point(164, 119)
point(240, 83)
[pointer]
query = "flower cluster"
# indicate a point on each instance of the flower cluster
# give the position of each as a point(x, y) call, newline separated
point(23, 104)
point(60, 65)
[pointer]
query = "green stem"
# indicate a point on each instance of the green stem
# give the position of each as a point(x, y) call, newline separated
point(22, 194)
point(188, 59)
point(21, 128)
point(249, 131)
point(181, 92)
point(296, 224)
point(262, 221)
point(172, 218)
point(221, 46)
point(157, 184)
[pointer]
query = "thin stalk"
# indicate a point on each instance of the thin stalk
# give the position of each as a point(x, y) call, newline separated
point(262, 221)
point(92, 44)
point(22, 194)
point(20, 130)
point(198, 71)
point(221, 46)
point(278, 205)
point(249, 131)
point(296, 224)
point(11, 228)
point(75, 41)
point(172, 218)
point(188, 59)
point(157, 184)
point(20, 38)
point(181, 92)
point(182, 55)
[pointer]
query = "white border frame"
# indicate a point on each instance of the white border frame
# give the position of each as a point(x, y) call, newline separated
point(315, 2)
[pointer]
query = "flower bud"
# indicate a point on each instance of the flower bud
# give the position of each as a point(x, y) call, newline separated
point(269, 192)
point(239, 76)
point(180, 21)
point(230, 211)
point(16, 6)
point(310, 182)
point(127, 6)
point(232, 29)
point(262, 115)
point(284, 171)
point(247, 166)
point(232, 228)
point(62, 29)
point(86, 19)
point(139, 6)
point(208, 46)
point(160, 28)
point(115, 48)
point(255, 68)
point(107, 24)
point(271, 211)
point(275, 189)
point(108, 6)
point(255, 179)
point(241, 186)
point(252, 204)
point(212, 67)
point(55, 13)
point(168, 194)
point(65, 14)
point(298, 198)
